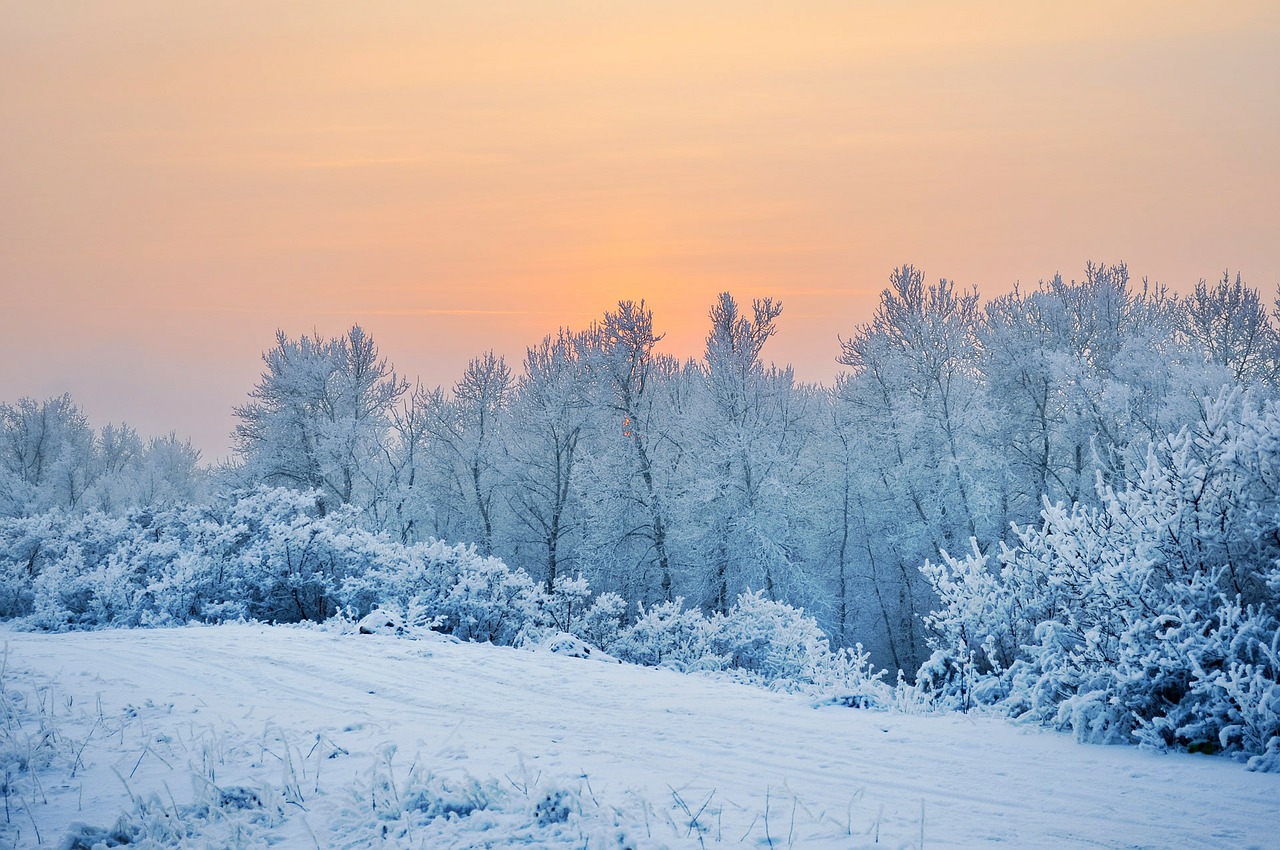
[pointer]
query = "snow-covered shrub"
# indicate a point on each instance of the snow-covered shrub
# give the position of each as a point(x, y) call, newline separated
point(986, 616)
point(88, 571)
point(669, 635)
point(1229, 679)
point(470, 596)
point(1269, 760)
point(770, 639)
point(22, 545)
point(602, 623)
point(567, 603)
point(1150, 618)
point(490, 602)
point(949, 682)
point(230, 817)
point(849, 678)
point(758, 639)
point(268, 554)
point(289, 556)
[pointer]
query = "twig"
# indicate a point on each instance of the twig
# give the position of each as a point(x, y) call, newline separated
point(693, 818)
point(587, 780)
point(77, 763)
point(703, 808)
point(307, 827)
point(767, 837)
point(146, 748)
point(750, 827)
point(127, 789)
point(31, 815)
point(848, 824)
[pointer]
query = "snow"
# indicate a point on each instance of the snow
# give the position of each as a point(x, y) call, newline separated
point(571, 646)
point(252, 734)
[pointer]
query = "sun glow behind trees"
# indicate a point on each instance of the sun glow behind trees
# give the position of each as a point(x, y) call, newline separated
point(179, 180)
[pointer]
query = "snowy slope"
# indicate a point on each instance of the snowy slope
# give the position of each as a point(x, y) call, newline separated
point(286, 733)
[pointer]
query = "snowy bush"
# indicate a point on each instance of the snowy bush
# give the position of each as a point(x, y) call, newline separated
point(849, 678)
point(952, 682)
point(567, 603)
point(268, 554)
point(669, 635)
point(490, 602)
point(467, 595)
point(763, 640)
point(1150, 618)
point(771, 639)
point(277, 555)
point(90, 569)
point(603, 622)
point(22, 543)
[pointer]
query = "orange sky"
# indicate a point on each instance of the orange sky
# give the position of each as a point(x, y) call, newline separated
point(179, 179)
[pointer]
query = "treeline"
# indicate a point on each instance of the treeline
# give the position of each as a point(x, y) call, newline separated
point(656, 478)
point(1150, 617)
point(1062, 503)
point(51, 459)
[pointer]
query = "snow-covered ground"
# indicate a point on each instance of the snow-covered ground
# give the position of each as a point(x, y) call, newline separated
point(248, 735)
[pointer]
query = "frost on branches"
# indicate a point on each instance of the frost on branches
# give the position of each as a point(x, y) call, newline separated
point(1151, 617)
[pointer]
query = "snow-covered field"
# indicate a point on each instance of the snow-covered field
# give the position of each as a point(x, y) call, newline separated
point(249, 735)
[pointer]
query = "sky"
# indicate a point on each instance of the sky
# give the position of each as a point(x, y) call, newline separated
point(180, 180)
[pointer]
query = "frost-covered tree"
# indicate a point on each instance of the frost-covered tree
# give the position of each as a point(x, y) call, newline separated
point(132, 473)
point(406, 489)
point(51, 459)
point(46, 456)
point(1079, 371)
point(481, 400)
point(749, 432)
point(318, 416)
point(855, 597)
point(1229, 322)
point(170, 473)
point(916, 406)
point(550, 414)
point(639, 444)
point(445, 453)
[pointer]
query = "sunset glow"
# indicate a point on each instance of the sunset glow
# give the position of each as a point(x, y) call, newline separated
point(179, 180)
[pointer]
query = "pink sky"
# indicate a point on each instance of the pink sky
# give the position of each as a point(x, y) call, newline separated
point(179, 179)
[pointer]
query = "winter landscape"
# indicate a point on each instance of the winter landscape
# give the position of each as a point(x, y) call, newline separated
point(285, 647)
point(575, 425)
